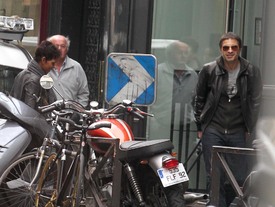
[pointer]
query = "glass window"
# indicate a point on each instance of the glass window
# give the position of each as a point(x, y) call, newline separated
point(185, 36)
point(24, 9)
point(7, 75)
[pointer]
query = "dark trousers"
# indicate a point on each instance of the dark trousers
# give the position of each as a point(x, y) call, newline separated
point(236, 162)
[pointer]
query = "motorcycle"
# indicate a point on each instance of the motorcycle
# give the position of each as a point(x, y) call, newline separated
point(145, 172)
point(21, 127)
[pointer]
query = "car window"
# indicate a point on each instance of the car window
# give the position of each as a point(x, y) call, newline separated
point(7, 75)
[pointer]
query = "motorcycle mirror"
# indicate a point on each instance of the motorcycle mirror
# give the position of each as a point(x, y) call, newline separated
point(46, 82)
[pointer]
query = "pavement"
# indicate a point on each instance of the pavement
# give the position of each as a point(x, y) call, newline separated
point(197, 204)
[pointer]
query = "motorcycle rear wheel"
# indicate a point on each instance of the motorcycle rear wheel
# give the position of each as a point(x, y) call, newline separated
point(158, 196)
point(14, 182)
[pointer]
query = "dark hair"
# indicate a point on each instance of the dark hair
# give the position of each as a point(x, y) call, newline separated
point(46, 49)
point(230, 35)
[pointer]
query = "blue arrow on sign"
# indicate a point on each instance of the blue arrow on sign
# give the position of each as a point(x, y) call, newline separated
point(132, 77)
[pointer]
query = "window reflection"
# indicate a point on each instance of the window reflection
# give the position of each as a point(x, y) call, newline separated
point(175, 86)
point(199, 24)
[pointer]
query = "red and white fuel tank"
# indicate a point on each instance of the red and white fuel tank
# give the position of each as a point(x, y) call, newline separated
point(119, 129)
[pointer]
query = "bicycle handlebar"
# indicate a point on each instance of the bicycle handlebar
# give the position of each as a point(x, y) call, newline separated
point(51, 107)
point(92, 126)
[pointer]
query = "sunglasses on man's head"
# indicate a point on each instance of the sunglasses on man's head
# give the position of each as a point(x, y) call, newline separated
point(234, 48)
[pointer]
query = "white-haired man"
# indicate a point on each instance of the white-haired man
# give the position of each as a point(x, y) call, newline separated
point(68, 75)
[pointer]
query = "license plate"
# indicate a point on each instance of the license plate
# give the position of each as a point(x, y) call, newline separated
point(172, 176)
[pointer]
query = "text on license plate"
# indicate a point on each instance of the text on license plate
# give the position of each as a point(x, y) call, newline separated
point(172, 176)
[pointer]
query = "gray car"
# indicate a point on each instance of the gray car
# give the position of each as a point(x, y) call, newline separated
point(14, 58)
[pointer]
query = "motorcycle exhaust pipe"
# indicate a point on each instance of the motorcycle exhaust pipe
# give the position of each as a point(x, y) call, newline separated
point(192, 197)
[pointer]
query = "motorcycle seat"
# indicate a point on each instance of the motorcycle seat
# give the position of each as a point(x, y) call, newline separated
point(132, 150)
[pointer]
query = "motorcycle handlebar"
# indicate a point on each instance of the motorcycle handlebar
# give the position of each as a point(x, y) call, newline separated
point(137, 110)
point(125, 105)
point(134, 111)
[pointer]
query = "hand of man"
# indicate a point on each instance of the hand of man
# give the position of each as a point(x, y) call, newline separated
point(199, 134)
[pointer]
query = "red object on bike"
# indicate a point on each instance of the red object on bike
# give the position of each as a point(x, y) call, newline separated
point(119, 129)
point(170, 163)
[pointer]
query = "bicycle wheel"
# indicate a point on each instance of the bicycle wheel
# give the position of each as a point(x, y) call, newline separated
point(47, 186)
point(15, 189)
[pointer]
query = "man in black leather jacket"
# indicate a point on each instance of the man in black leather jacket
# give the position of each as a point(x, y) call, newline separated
point(26, 85)
point(226, 107)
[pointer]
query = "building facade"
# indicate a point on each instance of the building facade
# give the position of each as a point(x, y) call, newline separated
point(99, 27)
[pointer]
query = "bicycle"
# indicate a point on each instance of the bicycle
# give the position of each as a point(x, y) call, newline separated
point(18, 183)
point(65, 189)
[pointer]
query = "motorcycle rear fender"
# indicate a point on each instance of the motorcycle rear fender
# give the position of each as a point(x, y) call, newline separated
point(155, 162)
point(14, 140)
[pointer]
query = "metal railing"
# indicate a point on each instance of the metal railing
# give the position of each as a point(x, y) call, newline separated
point(219, 159)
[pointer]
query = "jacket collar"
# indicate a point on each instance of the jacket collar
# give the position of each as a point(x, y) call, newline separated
point(221, 69)
point(68, 63)
point(35, 68)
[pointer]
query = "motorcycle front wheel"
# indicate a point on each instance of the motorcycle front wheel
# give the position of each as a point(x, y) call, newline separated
point(15, 188)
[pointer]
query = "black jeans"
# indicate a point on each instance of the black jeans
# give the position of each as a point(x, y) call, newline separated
point(237, 163)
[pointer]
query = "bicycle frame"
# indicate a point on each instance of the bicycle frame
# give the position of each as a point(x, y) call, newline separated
point(110, 152)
